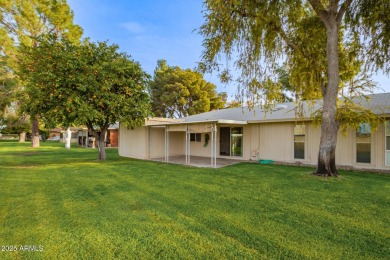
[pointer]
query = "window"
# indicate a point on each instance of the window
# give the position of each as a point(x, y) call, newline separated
point(363, 143)
point(387, 143)
point(299, 142)
point(195, 137)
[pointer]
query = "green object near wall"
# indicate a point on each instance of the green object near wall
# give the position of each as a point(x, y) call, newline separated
point(266, 161)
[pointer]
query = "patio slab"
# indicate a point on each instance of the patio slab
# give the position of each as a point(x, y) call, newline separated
point(198, 161)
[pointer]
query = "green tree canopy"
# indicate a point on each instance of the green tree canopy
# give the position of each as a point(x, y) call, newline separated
point(178, 93)
point(88, 84)
point(325, 44)
point(21, 22)
point(7, 90)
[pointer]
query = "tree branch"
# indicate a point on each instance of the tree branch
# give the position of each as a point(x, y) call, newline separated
point(320, 10)
point(277, 28)
point(342, 10)
point(284, 36)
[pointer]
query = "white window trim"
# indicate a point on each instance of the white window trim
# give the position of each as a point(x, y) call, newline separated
point(372, 151)
point(305, 144)
point(387, 121)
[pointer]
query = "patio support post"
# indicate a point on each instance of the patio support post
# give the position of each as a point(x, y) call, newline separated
point(149, 128)
point(165, 143)
point(189, 144)
point(215, 145)
point(212, 145)
point(186, 144)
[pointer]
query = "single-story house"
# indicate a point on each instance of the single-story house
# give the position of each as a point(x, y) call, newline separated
point(253, 134)
point(58, 134)
point(55, 134)
point(73, 137)
point(85, 139)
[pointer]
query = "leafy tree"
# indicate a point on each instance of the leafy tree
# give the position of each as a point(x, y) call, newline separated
point(7, 90)
point(16, 124)
point(178, 93)
point(90, 84)
point(21, 22)
point(324, 44)
point(234, 103)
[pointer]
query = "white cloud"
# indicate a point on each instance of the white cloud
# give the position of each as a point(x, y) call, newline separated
point(133, 27)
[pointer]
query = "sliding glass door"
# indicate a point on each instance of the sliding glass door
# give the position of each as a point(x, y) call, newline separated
point(387, 143)
point(230, 141)
point(236, 141)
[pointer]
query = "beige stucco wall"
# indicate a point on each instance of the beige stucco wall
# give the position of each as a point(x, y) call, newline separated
point(198, 148)
point(157, 142)
point(132, 142)
point(138, 143)
point(177, 142)
point(274, 141)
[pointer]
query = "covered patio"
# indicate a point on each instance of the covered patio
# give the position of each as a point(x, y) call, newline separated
point(198, 161)
point(185, 133)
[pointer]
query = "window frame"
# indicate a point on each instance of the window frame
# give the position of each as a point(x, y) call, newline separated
point(360, 142)
point(196, 137)
point(303, 126)
point(241, 129)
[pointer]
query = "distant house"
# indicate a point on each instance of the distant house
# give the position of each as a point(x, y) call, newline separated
point(240, 133)
point(55, 134)
point(58, 134)
point(85, 139)
point(112, 135)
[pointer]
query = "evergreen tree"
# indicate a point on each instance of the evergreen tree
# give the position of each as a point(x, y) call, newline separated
point(178, 93)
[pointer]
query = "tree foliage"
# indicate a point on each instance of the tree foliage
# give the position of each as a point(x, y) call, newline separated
point(178, 93)
point(21, 22)
point(325, 45)
point(7, 90)
point(88, 84)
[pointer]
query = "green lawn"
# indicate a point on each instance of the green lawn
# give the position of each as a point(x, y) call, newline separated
point(70, 206)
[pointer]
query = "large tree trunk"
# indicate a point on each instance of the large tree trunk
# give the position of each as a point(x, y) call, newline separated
point(326, 157)
point(22, 137)
point(100, 138)
point(35, 133)
point(101, 141)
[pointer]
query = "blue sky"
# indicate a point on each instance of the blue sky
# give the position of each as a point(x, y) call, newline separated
point(150, 30)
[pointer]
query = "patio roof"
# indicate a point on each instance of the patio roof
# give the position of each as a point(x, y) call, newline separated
point(219, 121)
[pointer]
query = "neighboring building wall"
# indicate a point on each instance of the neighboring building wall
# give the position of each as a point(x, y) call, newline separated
point(113, 137)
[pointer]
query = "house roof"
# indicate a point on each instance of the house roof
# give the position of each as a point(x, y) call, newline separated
point(379, 103)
